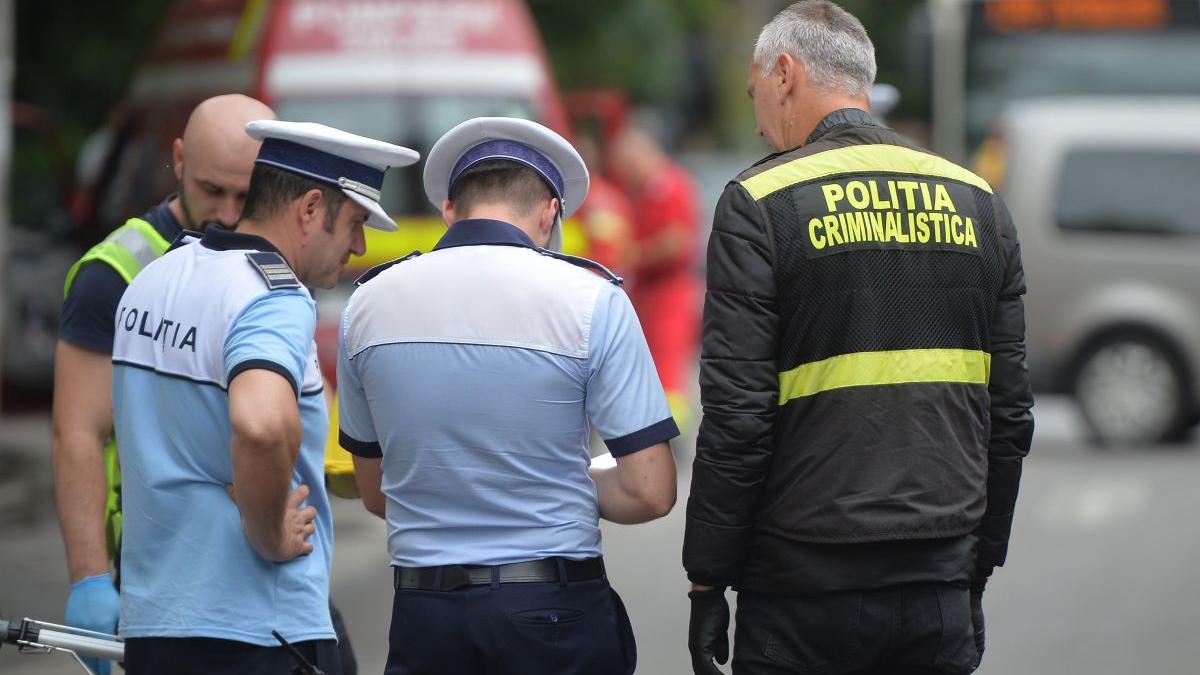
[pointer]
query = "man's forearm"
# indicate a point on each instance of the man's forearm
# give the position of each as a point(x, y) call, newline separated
point(624, 501)
point(81, 490)
point(262, 473)
point(368, 476)
point(616, 505)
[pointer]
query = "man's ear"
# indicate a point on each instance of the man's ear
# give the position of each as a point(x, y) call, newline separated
point(549, 214)
point(309, 211)
point(177, 158)
point(790, 72)
point(448, 212)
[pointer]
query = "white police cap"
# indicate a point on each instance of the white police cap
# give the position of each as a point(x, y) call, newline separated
point(355, 164)
point(512, 139)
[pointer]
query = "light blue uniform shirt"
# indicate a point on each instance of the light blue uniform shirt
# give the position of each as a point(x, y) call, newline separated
point(473, 371)
point(189, 323)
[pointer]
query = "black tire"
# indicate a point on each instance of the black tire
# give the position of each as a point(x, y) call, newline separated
point(1132, 390)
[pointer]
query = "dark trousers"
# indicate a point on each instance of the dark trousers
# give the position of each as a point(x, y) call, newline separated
point(904, 630)
point(205, 656)
point(577, 628)
point(345, 649)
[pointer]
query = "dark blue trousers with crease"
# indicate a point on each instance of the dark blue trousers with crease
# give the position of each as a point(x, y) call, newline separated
point(576, 628)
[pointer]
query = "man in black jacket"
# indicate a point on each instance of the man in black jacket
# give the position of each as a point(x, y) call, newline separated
point(866, 399)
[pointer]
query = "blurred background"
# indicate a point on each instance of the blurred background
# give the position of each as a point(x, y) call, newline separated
point(1085, 114)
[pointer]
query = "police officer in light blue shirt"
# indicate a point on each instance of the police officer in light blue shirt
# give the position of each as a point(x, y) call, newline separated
point(468, 380)
point(221, 422)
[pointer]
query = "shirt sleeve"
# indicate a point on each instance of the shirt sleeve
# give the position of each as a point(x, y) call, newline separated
point(625, 399)
point(739, 390)
point(356, 428)
point(1011, 404)
point(89, 310)
point(273, 332)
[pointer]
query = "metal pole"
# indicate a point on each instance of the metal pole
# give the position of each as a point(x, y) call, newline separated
point(82, 644)
point(8, 17)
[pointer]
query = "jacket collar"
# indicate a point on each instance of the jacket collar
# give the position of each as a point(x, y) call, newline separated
point(846, 117)
point(838, 119)
point(483, 232)
point(219, 238)
point(167, 224)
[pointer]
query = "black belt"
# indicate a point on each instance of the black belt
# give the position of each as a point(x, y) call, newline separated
point(454, 577)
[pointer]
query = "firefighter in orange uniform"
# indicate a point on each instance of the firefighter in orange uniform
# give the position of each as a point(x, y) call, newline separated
point(664, 287)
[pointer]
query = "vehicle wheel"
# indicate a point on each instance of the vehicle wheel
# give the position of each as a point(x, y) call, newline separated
point(1132, 391)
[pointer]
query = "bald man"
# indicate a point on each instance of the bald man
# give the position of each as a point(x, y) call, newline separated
point(213, 160)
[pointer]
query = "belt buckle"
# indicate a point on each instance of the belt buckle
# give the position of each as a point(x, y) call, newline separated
point(454, 577)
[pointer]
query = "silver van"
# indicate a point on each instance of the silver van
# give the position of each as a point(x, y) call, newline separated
point(1105, 193)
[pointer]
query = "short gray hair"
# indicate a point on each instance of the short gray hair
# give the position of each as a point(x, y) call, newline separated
point(831, 43)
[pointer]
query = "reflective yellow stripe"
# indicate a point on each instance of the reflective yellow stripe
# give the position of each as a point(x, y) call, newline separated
point(126, 249)
point(873, 159)
point(963, 366)
point(421, 234)
point(113, 518)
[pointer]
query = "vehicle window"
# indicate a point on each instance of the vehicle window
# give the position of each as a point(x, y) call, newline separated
point(414, 122)
point(1131, 191)
point(1013, 67)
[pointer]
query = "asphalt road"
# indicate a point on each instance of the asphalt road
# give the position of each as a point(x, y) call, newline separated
point(1100, 580)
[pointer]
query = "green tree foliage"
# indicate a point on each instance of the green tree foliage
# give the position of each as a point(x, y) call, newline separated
point(647, 49)
point(638, 46)
point(74, 59)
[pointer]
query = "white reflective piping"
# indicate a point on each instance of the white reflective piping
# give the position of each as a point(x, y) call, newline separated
point(361, 188)
point(477, 73)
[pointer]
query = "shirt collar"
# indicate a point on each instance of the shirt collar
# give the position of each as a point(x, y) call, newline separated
point(219, 238)
point(846, 117)
point(483, 232)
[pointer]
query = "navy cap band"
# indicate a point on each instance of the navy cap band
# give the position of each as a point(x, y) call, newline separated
point(512, 151)
point(316, 164)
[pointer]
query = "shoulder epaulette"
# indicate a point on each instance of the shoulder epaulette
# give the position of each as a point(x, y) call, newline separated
point(274, 270)
point(580, 261)
point(184, 238)
point(374, 271)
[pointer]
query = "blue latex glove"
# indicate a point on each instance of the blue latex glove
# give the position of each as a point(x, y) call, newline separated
point(93, 604)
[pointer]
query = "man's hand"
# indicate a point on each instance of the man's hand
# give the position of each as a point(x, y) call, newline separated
point(708, 630)
point(977, 615)
point(298, 526)
point(93, 604)
point(295, 530)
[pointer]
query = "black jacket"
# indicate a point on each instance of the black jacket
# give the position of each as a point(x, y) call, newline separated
point(866, 400)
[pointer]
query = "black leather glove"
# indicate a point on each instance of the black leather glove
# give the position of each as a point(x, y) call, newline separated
point(977, 615)
point(708, 631)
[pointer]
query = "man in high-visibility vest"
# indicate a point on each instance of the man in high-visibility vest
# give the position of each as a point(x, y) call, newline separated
point(213, 160)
